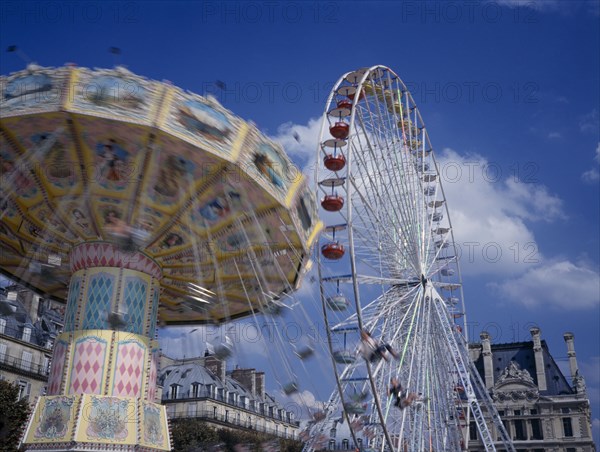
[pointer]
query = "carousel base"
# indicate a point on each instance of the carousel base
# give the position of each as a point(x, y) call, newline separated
point(85, 422)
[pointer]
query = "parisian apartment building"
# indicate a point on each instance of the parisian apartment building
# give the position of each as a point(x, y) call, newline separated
point(29, 324)
point(203, 388)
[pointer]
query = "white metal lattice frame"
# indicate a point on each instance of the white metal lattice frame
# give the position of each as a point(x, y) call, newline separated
point(400, 258)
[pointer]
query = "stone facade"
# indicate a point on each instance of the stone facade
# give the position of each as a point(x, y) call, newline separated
point(29, 325)
point(202, 388)
point(541, 409)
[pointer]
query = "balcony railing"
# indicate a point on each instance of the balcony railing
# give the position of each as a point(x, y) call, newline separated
point(209, 415)
point(31, 338)
point(207, 395)
point(20, 366)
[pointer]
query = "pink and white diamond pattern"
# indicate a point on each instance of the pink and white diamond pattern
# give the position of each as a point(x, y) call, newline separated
point(57, 367)
point(88, 366)
point(101, 254)
point(152, 376)
point(129, 369)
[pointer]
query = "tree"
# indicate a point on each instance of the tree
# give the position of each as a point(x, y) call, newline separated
point(13, 416)
point(192, 435)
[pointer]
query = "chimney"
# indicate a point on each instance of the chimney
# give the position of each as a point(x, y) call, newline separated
point(488, 365)
point(571, 353)
point(540, 370)
point(246, 378)
point(216, 366)
point(259, 378)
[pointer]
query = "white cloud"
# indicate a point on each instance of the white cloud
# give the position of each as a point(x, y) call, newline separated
point(589, 123)
point(554, 285)
point(548, 6)
point(592, 175)
point(554, 135)
point(538, 5)
point(302, 403)
point(489, 211)
point(300, 141)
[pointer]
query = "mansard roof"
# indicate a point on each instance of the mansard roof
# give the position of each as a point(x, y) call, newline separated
point(522, 354)
point(194, 372)
point(17, 318)
point(186, 374)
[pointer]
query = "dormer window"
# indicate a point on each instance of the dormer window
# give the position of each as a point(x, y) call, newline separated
point(174, 391)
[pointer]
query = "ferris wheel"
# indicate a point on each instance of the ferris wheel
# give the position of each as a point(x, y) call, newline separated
point(389, 277)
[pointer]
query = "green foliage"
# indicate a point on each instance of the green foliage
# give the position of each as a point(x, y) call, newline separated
point(13, 416)
point(192, 435)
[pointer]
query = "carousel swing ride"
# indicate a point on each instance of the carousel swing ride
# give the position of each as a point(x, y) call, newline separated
point(133, 201)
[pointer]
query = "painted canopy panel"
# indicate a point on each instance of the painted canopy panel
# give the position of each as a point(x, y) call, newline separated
point(217, 203)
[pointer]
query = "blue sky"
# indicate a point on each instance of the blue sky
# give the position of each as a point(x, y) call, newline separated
point(509, 91)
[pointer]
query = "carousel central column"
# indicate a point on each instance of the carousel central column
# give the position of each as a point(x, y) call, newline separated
point(102, 386)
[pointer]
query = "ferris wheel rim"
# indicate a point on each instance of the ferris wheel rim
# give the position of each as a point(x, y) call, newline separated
point(349, 205)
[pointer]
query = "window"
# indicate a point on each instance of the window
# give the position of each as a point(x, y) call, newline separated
point(519, 430)
point(565, 410)
point(536, 429)
point(517, 412)
point(506, 427)
point(23, 389)
point(2, 325)
point(46, 364)
point(332, 433)
point(567, 427)
point(174, 391)
point(26, 358)
point(473, 431)
point(192, 409)
point(571, 449)
point(345, 444)
point(332, 444)
point(2, 352)
point(500, 412)
point(533, 411)
point(195, 390)
point(26, 334)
